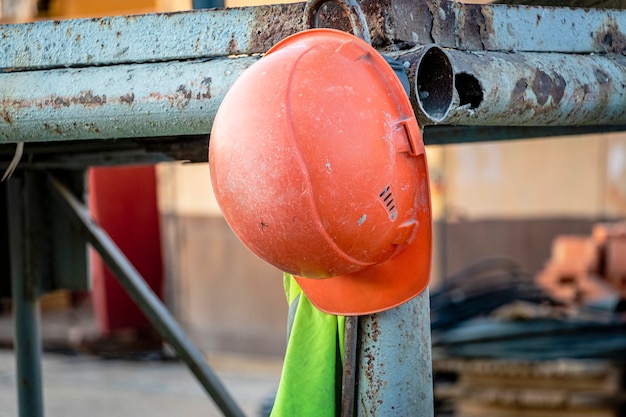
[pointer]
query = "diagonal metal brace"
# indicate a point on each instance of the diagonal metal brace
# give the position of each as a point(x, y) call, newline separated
point(141, 293)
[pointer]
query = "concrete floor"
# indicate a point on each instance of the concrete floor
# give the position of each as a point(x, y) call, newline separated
point(85, 385)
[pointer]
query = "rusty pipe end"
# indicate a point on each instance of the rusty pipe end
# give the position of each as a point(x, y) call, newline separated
point(434, 84)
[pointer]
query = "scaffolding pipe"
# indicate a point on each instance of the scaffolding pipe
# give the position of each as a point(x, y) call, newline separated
point(520, 89)
point(146, 300)
point(119, 101)
point(394, 376)
point(154, 37)
point(181, 98)
point(26, 313)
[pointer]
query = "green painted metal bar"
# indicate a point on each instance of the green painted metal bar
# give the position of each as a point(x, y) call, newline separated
point(149, 303)
point(26, 315)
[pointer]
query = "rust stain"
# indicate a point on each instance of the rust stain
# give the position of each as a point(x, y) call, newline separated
point(84, 98)
point(54, 127)
point(332, 15)
point(602, 77)
point(376, 15)
point(375, 330)
point(544, 86)
point(610, 37)
point(92, 127)
point(273, 23)
point(206, 85)
point(127, 98)
point(232, 46)
point(443, 22)
point(179, 99)
point(517, 95)
point(104, 22)
point(5, 115)
point(473, 27)
point(418, 29)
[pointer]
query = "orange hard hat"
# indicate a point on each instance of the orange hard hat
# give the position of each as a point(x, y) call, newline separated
point(318, 165)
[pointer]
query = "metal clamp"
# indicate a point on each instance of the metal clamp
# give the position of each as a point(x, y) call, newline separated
point(350, 7)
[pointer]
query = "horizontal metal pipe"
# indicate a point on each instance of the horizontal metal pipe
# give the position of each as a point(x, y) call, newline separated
point(120, 101)
point(500, 27)
point(529, 89)
point(220, 32)
point(147, 38)
point(182, 98)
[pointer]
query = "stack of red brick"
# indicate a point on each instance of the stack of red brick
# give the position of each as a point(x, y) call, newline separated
point(587, 269)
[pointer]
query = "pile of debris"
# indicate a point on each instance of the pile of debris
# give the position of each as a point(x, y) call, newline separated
point(588, 270)
point(500, 334)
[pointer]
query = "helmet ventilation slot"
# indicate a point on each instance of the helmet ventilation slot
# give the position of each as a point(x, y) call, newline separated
point(388, 201)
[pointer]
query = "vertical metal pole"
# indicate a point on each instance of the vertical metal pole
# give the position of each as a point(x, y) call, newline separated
point(395, 370)
point(348, 379)
point(27, 343)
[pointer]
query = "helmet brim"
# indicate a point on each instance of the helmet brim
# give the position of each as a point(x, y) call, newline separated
point(385, 285)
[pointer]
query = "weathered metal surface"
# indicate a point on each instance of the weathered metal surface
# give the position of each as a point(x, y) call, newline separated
point(316, 11)
point(26, 317)
point(148, 302)
point(147, 38)
point(250, 30)
point(498, 27)
point(531, 89)
point(122, 101)
point(348, 379)
point(177, 90)
point(395, 372)
point(431, 79)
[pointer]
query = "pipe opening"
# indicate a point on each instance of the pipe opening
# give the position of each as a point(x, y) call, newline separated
point(469, 90)
point(434, 84)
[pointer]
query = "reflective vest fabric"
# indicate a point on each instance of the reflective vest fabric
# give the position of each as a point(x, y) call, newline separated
point(310, 383)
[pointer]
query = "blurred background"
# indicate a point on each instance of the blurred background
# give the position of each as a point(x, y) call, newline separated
point(527, 289)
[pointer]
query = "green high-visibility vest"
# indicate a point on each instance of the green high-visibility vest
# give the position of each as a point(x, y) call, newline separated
point(310, 383)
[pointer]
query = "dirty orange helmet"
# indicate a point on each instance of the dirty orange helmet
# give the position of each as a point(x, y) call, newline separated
point(318, 165)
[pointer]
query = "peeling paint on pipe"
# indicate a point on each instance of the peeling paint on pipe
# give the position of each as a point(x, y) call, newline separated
point(520, 89)
point(395, 371)
point(121, 101)
point(537, 89)
point(154, 37)
point(499, 27)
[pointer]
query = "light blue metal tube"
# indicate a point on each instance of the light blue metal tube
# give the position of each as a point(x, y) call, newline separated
point(395, 370)
point(121, 101)
point(155, 37)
